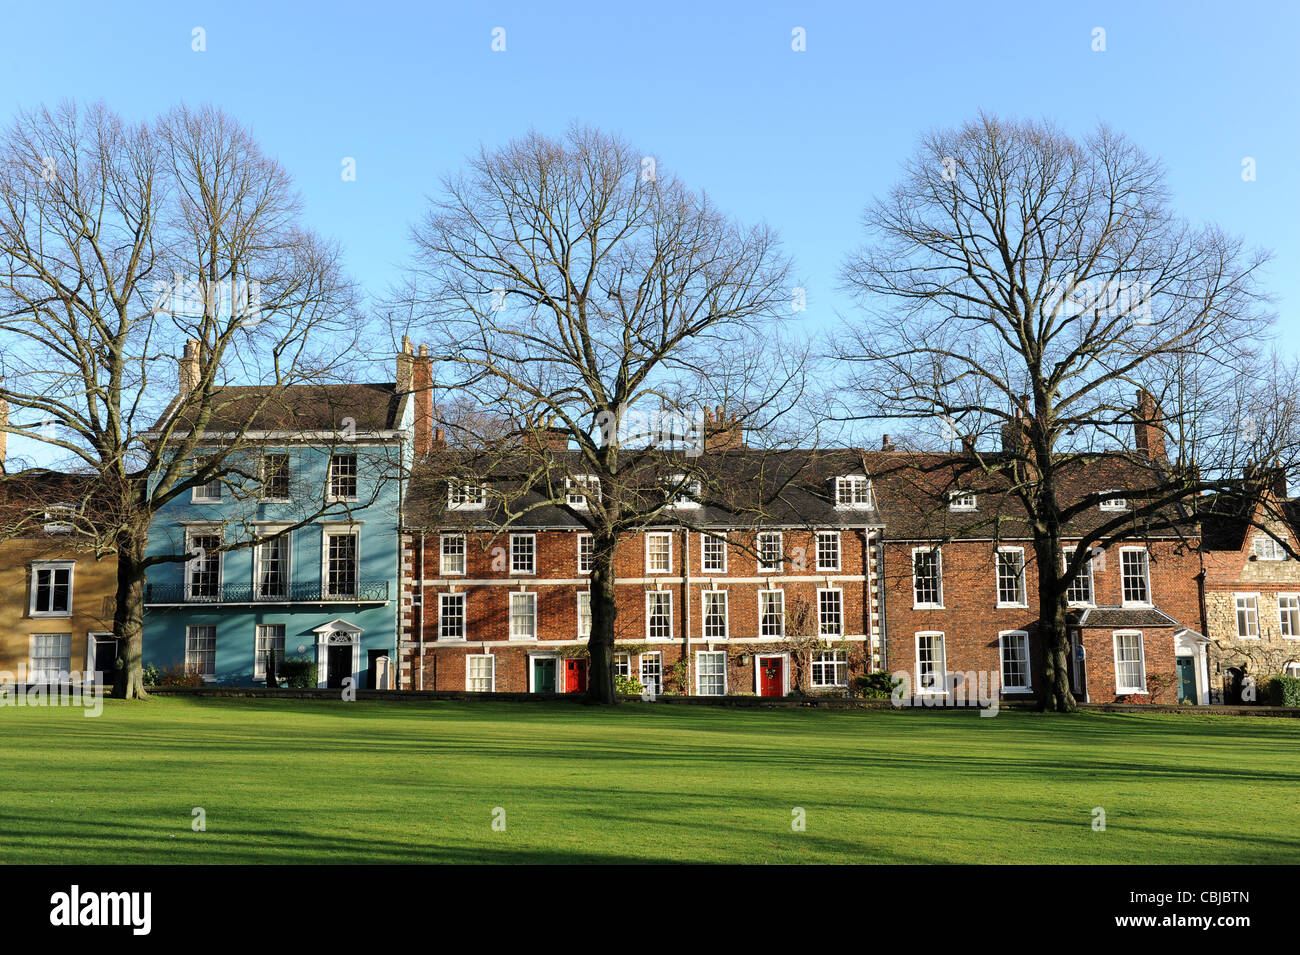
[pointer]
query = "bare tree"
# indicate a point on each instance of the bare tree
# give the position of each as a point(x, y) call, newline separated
point(599, 305)
point(118, 243)
point(1024, 283)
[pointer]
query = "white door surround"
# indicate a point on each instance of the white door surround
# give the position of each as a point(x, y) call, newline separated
point(337, 633)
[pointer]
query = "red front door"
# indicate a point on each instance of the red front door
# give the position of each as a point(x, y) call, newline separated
point(771, 676)
point(575, 676)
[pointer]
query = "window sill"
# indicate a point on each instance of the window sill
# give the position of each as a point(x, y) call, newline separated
point(51, 615)
point(1019, 690)
point(928, 607)
point(1002, 606)
point(828, 570)
point(1119, 692)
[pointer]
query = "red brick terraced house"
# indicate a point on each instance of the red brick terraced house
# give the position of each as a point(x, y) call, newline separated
point(710, 600)
point(960, 585)
point(1252, 595)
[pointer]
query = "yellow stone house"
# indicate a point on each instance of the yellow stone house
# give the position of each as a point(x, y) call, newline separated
point(56, 599)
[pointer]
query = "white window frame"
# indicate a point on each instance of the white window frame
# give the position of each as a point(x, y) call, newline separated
point(584, 634)
point(288, 477)
point(1146, 577)
point(780, 594)
point(207, 678)
point(1112, 503)
point(938, 573)
point(209, 493)
point(586, 560)
point(1022, 587)
point(764, 566)
point(849, 487)
point(259, 555)
point(659, 536)
point(686, 491)
point(921, 688)
point(1066, 554)
point(655, 595)
point(532, 554)
point(1142, 661)
point(706, 597)
point(65, 639)
point(462, 496)
point(53, 566)
point(577, 490)
point(330, 476)
point(817, 546)
point(1289, 618)
point(529, 598)
point(839, 662)
point(707, 539)
point(444, 570)
point(329, 531)
point(190, 534)
point(453, 598)
point(821, 619)
point(259, 652)
point(492, 672)
point(1027, 686)
point(699, 671)
point(1275, 550)
point(657, 658)
point(960, 500)
point(53, 522)
point(1247, 604)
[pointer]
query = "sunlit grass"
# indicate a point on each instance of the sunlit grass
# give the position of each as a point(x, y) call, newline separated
point(299, 781)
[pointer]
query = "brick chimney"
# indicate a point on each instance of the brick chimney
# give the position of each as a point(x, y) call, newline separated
point(1148, 435)
point(886, 444)
point(422, 386)
point(722, 433)
point(1015, 433)
point(405, 366)
point(541, 434)
point(187, 372)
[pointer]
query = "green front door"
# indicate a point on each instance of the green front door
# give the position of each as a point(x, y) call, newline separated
point(544, 676)
point(1187, 679)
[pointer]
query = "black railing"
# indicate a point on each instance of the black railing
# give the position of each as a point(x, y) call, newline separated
point(363, 591)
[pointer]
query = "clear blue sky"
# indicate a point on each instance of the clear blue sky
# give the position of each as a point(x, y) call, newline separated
point(713, 90)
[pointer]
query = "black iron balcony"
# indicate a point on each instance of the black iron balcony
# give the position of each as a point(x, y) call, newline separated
point(361, 591)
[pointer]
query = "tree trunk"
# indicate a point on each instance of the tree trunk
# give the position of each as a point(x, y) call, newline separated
point(600, 676)
point(1054, 693)
point(128, 615)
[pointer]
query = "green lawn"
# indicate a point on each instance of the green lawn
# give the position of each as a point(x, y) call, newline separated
point(298, 781)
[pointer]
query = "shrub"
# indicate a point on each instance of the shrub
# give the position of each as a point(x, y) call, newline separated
point(297, 673)
point(1284, 690)
point(150, 675)
point(180, 675)
point(877, 686)
point(628, 686)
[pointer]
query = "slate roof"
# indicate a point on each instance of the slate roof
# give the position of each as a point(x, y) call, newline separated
point(791, 488)
point(1121, 618)
point(913, 489)
point(307, 407)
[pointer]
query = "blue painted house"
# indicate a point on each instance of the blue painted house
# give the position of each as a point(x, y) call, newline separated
point(296, 552)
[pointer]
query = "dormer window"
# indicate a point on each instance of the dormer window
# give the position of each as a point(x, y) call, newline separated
point(684, 490)
point(853, 490)
point(961, 500)
point(578, 490)
point(1266, 548)
point(1113, 502)
point(58, 519)
point(464, 497)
